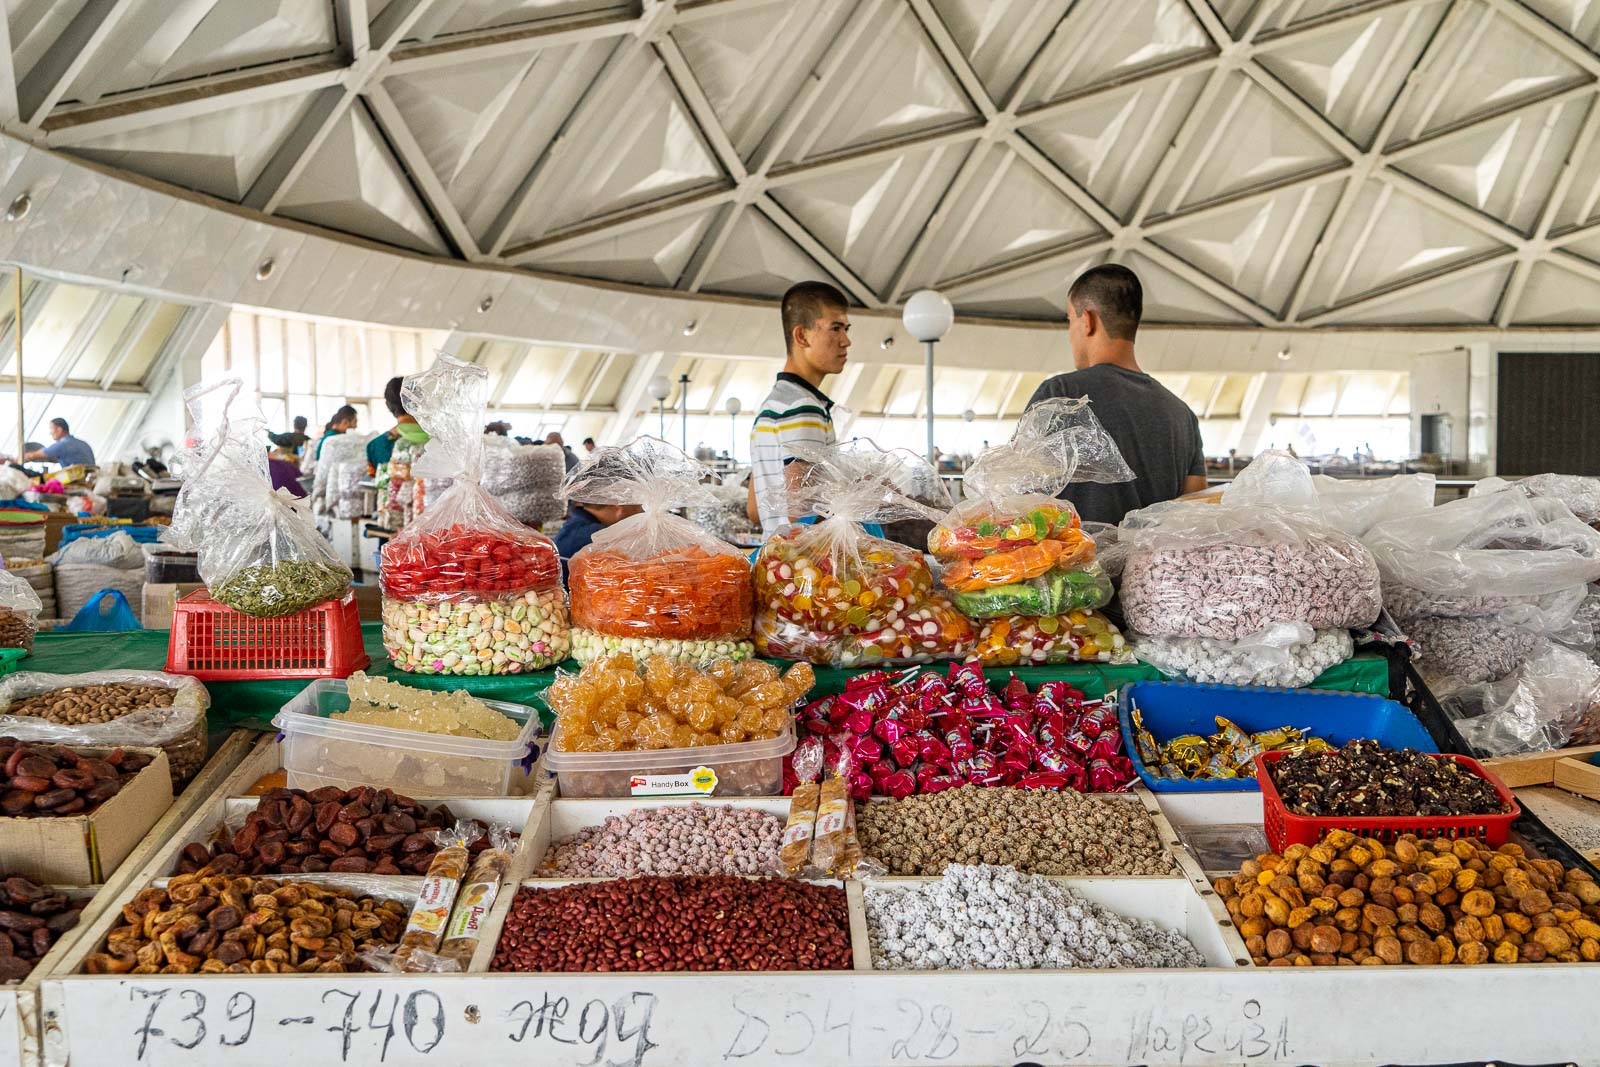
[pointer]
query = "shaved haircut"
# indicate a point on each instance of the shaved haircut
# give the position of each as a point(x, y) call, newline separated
point(1116, 296)
point(807, 302)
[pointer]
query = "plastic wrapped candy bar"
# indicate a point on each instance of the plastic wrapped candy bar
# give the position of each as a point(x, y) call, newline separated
point(1075, 637)
point(1012, 548)
point(831, 593)
point(655, 574)
point(467, 589)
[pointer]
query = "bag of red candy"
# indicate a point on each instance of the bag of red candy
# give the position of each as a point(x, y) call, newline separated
point(831, 593)
point(923, 732)
point(467, 589)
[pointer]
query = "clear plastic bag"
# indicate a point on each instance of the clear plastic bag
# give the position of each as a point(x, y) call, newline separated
point(1029, 640)
point(1551, 701)
point(19, 611)
point(655, 574)
point(178, 728)
point(1227, 571)
point(1285, 656)
point(831, 593)
point(467, 589)
point(1011, 547)
point(260, 552)
point(328, 484)
point(1356, 505)
point(1580, 494)
point(525, 478)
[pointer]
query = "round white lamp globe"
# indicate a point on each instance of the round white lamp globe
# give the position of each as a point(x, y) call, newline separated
point(928, 316)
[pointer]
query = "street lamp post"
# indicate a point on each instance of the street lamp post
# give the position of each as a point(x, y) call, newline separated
point(928, 316)
point(660, 387)
point(683, 409)
point(734, 407)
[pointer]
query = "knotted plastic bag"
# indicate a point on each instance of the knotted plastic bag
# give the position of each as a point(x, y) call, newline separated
point(831, 593)
point(1011, 547)
point(655, 574)
point(259, 549)
point(1266, 554)
point(467, 588)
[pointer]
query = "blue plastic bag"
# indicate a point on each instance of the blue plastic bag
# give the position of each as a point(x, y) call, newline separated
point(106, 612)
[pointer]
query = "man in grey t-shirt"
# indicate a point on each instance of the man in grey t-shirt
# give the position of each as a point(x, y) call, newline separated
point(1158, 434)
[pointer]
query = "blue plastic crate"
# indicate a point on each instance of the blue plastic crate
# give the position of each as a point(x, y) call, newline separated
point(1172, 709)
point(144, 535)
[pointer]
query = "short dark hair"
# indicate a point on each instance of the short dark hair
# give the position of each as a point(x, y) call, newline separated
point(805, 303)
point(1116, 296)
point(391, 397)
point(300, 423)
point(61, 423)
point(588, 440)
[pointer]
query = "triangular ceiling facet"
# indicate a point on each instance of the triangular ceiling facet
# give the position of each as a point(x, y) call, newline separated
point(1005, 212)
point(1113, 144)
point(1389, 238)
point(1033, 294)
point(876, 100)
point(1249, 140)
point(758, 259)
point(1506, 168)
point(354, 184)
point(651, 255)
point(1276, 16)
point(467, 15)
point(1555, 296)
point(1467, 301)
point(1260, 248)
point(1576, 18)
point(869, 216)
point(1127, 38)
point(1352, 73)
point(634, 144)
point(220, 153)
point(1169, 298)
point(1000, 37)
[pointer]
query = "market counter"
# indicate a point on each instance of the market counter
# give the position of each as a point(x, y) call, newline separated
point(253, 704)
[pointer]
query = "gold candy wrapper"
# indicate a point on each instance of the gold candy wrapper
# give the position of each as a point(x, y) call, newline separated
point(1144, 741)
point(1228, 753)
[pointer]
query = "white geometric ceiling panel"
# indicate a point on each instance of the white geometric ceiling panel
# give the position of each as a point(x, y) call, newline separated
point(1506, 168)
point(461, 16)
point(354, 184)
point(631, 141)
point(974, 236)
point(1250, 140)
point(1127, 38)
point(1112, 144)
point(1555, 296)
point(484, 125)
point(1258, 249)
point(751, 64)
point(160, 41)
point(1484, 62)
point(760, 260)
point(1470, 300)
point(650, 255)
point(1040, 293)
point(1577, 18)
point(871, 100)
point(220, 153)
point(1275, 15)
point(870, 215)
point(1351, 74)
point(1001, 36)
point(1170, 298)
point(1390, 237)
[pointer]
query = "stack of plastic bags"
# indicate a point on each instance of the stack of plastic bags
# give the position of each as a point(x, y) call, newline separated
point(86, 567)
point(525, 479)
point(1250, 591)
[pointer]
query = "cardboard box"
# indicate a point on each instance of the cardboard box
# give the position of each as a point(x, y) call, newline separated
point(87, 849)
point(158, 601)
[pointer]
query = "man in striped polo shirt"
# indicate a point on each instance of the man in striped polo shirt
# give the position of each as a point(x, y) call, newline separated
point(816, 326)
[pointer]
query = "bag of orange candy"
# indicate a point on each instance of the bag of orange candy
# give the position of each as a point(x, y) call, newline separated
point(1011, 547)
point(831, 593)
point(653, 583)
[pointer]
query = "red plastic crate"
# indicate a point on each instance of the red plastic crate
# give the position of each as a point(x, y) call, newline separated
point(1284, 828)
point(214, 643)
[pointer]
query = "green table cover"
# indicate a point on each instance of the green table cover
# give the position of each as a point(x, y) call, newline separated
point(253, 704)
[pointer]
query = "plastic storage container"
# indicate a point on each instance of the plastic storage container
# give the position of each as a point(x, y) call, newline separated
point(745, 769)
point(161, 568)
point(214, 643)
point(1284, 828)
point(1172, 709)
point(319, 751)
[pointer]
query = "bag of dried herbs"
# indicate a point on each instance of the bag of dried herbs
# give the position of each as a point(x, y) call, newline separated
point(260, 552)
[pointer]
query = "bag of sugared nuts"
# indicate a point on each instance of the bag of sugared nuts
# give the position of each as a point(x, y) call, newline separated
point(1350, 900)
point(19, 612)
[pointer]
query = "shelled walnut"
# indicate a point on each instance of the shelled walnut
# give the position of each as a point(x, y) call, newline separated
point(1350, 900)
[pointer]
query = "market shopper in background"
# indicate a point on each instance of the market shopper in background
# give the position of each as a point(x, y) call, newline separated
point(64, 449)
point(569, 457)
point(588, 444)
point(380, 448)
point(583, 522)
point(816, 330)
point(293, 443)
point(343, 421)
point(1157, 432)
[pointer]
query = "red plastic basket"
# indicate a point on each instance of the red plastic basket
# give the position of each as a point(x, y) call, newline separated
point(214, 643)
point(1285, 828)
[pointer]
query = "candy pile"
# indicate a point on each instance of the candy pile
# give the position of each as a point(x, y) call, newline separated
point(381, 702)
point(614, 706)
point(1077, 637)
point(1228, 753)
point(925, 732)
point(32, 917)
point(992, 918)
point(689, 604)
point(694, 839)
point(590, 645)
point(848, 609)
point(1365, 779)
point(1036, 563)
point(1212, 662)
point(458, 561)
